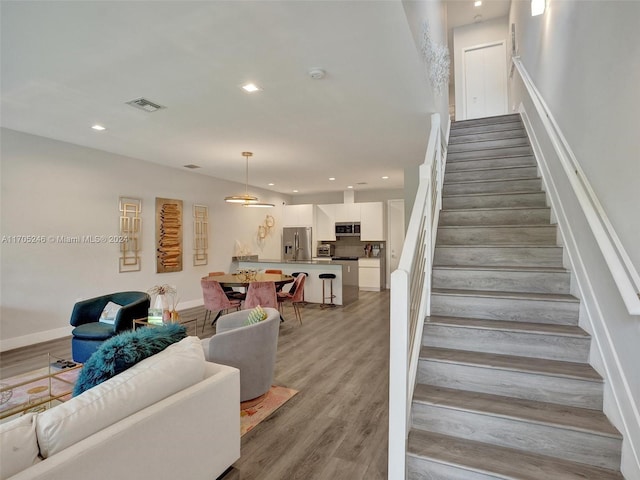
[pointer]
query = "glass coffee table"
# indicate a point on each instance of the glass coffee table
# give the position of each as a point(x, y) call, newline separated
point(36, 385)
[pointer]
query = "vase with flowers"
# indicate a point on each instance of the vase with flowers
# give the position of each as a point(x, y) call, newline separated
point(162, 303)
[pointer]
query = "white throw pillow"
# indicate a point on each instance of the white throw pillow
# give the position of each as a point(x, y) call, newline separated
point(177, 367)
point(109, 313)
point(18, 445)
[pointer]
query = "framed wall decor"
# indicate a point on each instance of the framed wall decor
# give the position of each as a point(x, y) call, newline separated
point(168, 235)
point(130, 228)
point(200, 235)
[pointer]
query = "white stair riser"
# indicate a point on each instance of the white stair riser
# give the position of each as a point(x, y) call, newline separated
point(483, 129)
point(519, 161)
point(485, 144)
point(501, 281)
point(513, 216)
point(516, 310)
point(489, 153)
point(533, 199)
point(493, 174)
point(423, 469)
point(543, 234)
point(551, 347)
point(499, 256)
point(486, 121)
point(505, 186)
point(577, 446)
point(484, 136)
point(509, 383)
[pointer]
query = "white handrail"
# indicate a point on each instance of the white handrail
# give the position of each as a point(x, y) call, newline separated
point(624, 273)
point(410, 295)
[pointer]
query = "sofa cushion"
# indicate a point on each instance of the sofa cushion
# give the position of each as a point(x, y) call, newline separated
point(18, 445)
point(125, 350)
point(177, 367)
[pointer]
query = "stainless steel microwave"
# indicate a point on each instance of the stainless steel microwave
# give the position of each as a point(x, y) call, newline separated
point(347, 229)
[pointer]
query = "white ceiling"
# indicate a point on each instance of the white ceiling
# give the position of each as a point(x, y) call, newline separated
point(69, 65)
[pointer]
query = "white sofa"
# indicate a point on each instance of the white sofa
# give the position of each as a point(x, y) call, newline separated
point(171, 416)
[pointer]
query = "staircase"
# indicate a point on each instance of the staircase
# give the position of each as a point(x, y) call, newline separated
point(504, 389)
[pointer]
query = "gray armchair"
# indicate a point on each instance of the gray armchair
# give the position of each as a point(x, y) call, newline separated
point(250, 348)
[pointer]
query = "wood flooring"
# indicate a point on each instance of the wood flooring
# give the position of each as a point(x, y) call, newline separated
point(336, 427)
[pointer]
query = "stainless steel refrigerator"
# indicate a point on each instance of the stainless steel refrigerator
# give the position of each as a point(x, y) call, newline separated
point(296, 243)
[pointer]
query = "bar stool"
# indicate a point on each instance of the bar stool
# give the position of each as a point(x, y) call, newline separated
point(330, 277)
point(295, 274)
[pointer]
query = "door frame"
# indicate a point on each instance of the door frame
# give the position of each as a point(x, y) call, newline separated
point(464, 71)
point(388, 242)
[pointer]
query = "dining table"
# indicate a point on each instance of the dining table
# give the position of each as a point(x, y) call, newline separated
point(240, 280)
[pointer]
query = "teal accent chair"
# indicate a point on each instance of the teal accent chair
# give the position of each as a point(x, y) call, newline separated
point(89, 332)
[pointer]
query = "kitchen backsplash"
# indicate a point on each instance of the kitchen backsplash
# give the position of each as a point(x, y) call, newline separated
point(353, 247)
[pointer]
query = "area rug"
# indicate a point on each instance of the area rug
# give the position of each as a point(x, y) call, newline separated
point(274, 399)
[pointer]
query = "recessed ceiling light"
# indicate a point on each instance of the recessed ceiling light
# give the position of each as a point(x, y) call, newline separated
point(250, 87)
point(295, 191)
point(477, 3)
point(537, 7)
point(385, 177)
point(191, 166)
point(98, 128)
point(332, 178)
point(271, 184)
point(349, 186)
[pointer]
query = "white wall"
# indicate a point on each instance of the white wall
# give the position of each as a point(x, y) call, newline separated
point(338, 197)
point(434, 12)
point(584, 59)
point(56, 188)
point(494, 30)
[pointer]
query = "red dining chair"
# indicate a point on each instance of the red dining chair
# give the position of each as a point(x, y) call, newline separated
point(229, 292)
point(215, 300)
point(278, 271)
point(295, 295)
point(261, 293)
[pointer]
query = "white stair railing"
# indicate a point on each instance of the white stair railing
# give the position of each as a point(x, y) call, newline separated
point(622, 269)
point(410, 297)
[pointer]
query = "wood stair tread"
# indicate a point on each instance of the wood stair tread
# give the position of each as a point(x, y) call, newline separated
point(498, 245)
point(524, 225)
point(505, 463)
point(511, 326)
point(524, 268)
point(494, 180)
point(458, 131)
point(494, 157)
point(484, 169)
point(557, 368)
point(459, 140)
point(491, 209)
point(485, 194)
point(551, 297)
point(531, 411)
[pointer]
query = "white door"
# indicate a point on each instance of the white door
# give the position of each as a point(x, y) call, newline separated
point(485, 81)
point(395, 235)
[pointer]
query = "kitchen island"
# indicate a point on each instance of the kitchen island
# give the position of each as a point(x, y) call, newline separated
point(313, 284)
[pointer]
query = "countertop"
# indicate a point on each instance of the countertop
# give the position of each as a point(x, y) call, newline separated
point(273, 260)
point(324, 261)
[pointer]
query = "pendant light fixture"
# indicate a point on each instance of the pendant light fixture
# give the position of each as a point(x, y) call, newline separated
point(246, 200)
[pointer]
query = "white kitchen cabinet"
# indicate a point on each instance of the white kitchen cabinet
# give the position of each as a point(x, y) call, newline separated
point(369, 274)
point(347, 212)
point(371, 222)
point(298, 215)
point(325, 223)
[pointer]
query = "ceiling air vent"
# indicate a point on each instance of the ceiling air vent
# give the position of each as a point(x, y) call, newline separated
point(146, 105)
point(191, 166)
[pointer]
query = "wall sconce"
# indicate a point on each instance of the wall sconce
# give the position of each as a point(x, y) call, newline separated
point(538, 7)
